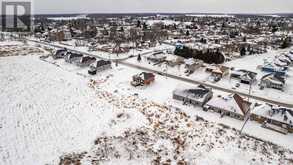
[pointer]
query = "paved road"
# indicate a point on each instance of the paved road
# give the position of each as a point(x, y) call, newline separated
point(123, 62)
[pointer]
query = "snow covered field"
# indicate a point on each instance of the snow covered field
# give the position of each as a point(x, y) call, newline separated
point(45, 111)
point(49, 110)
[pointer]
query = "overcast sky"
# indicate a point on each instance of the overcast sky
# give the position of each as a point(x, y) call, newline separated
point(196, 6)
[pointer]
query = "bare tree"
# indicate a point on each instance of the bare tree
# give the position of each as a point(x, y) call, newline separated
point(134, 36)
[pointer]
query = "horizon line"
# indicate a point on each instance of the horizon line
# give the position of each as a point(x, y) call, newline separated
point(169, 13)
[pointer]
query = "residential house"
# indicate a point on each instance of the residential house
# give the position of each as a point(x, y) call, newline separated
point(218, 70)
point(245, 76)
point(72, 57)
point(290, 55)
point(103, 64)
point(56, 35)
point(281, 62)
point(273, 80)
point(99, 66)
point(173, 60)
point(197, 96)
point(86, 61)
point(192, 64)
point(285, 59)
point(232, 105)
point(67, 35)
point(60, 53)
point(274, 117)
point(157, 57)
point(272, 68)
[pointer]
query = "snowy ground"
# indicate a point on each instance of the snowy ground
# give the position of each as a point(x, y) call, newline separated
point(16, 48)
point(172, 137)
point(10, 43)
point(48, 109)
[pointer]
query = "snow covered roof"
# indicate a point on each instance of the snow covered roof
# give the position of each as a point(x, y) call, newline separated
point(232, 102)
point(274, 78)
point(198, 93)
point(274, 113)
point(219, 69)
point(189, 61)
point(157, 56)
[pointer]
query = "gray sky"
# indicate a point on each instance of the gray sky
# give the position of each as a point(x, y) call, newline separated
point(199, 6)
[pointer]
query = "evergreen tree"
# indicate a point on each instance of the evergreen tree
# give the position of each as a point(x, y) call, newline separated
point(145, 26)
point(209, 57)
point(274, 29)
point(121, 29)
point(285, 43)
point(138, 24)
point(139, 58)
point(187, 33)
point(242, 51)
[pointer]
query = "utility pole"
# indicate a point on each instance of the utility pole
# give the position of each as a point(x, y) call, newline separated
point(165, 70)
point(247, 115)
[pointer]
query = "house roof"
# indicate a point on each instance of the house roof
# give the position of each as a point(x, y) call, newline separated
point(189, 61)
point(245, 72)
point(274, 78)
point(217, 70)
point(264, 111)
point(102, 63)
point(87, 58)
point(232, 102)
point(196, 93)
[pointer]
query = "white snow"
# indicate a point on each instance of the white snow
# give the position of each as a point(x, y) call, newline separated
point(46, 111)
point(68, 18)
point(10, 43)
point(227, 103)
